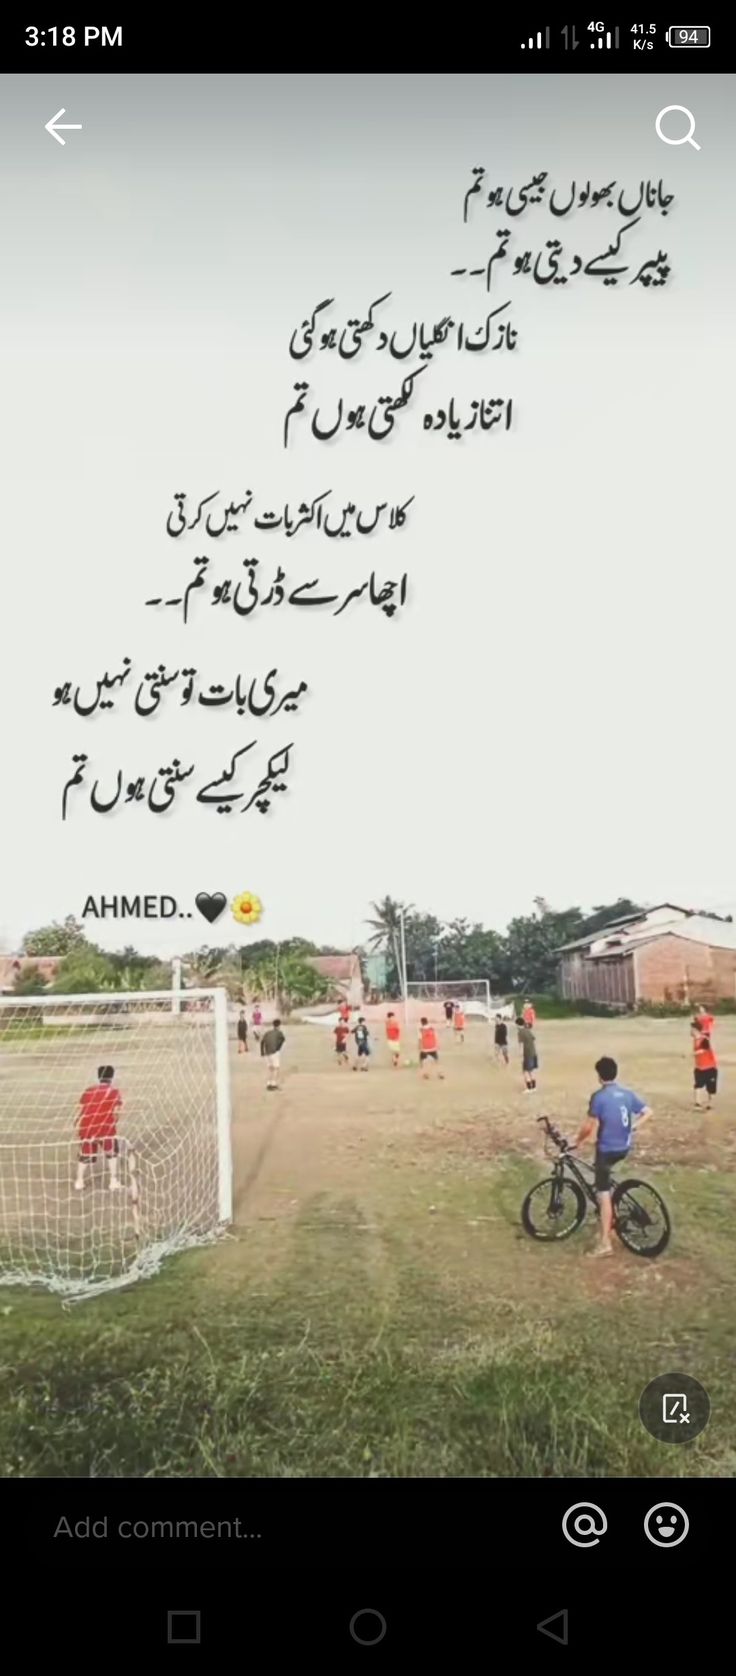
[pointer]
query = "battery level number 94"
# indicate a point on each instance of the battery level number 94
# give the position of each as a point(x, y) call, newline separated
point(688, 35)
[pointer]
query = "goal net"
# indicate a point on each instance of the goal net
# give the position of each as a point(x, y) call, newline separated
point(101, 1178)
point(471, 995)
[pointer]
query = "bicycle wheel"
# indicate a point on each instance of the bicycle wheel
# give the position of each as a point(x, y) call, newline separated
point(554, 1209)
point(641, 1218)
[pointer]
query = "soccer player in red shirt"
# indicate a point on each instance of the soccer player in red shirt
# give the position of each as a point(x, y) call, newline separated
point(429, 1052)
point(393, 1039)
point(529, 1015)
point(341, 1033)
point(704, 1020)
point(98, 1126)
point(706, 1068)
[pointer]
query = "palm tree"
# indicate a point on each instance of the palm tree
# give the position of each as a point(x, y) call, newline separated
point(386, 927)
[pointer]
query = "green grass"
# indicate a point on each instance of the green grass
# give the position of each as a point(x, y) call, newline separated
point(408, 1341)
point(17, 1032)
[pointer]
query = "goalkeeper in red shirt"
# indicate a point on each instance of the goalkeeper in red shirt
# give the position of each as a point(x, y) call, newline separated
point(99, 1107)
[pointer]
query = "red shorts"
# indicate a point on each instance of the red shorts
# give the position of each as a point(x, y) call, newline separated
point(91, 1139)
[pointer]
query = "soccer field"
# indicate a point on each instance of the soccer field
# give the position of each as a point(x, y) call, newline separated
point(330, 1130)
point(379, 1309)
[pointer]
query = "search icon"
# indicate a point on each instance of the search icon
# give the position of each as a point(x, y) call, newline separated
point(684, 138)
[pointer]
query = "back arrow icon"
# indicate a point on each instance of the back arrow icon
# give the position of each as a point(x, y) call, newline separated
point(51, 127)
point(559, 1633)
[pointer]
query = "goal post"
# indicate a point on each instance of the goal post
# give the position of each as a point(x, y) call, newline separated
point(223, 1109)
point(115, 1134)
point(473, 995)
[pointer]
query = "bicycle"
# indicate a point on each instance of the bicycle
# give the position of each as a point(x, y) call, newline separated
point(558, 1205)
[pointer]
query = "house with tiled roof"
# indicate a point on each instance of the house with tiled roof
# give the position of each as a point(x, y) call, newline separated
point(342, 974)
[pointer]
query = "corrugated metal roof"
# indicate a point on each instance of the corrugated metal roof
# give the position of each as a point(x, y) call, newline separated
point(697, 928)
point(616, 926)
point(717, 933)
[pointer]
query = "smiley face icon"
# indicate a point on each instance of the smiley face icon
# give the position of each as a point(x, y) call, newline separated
point(666, 1524)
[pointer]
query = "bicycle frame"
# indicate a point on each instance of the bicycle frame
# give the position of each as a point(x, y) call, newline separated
point(576, 1167)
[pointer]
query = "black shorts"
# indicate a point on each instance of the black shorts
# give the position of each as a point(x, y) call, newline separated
point(530, 1064)
point(604, 1162)
point(341, 1048)
point(363, 1050)
point(428, 1053)
point(707, 1079)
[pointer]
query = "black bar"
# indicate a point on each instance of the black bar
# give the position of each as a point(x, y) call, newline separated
point(248, 42)
point(403, 1618)
point(458, 1525)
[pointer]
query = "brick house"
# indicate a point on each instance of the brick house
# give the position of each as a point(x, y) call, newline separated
point(663, 954)
point(11, 965)
point(342, 974)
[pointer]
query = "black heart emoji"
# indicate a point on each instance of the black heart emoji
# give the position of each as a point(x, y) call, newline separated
point(211, 906)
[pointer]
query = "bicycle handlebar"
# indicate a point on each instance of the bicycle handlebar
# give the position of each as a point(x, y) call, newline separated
point(554, 1135)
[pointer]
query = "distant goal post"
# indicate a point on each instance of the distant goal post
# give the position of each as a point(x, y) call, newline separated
point(158, 1131)
point(472, 995)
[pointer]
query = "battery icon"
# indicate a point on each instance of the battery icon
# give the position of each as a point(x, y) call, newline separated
point(688, 35)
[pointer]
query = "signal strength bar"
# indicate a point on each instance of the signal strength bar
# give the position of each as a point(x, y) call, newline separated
point(536, 41)
point(607, 41)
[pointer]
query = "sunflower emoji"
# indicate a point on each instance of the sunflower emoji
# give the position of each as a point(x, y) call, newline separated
point(246, 908)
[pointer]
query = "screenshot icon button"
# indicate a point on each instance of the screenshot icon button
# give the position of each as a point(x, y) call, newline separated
point(674, 1408)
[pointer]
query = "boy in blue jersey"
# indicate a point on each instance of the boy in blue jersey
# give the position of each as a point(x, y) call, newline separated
point(610, 1118)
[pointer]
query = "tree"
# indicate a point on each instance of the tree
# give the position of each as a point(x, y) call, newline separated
point(83, 971)
point(423, 933)
point(605, 913)
point(29, 981)
point(532, 942)
point(300, 946)
point(155, 975)
point(386, 934)
point(57, 938)
point(253, 953)
point(470, 951)
point(219, 968)
point(135, 969)
point(299, 984)
point(229, 976)
point(288, 981)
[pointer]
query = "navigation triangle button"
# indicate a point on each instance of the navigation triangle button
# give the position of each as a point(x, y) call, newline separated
point(555, 1627)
